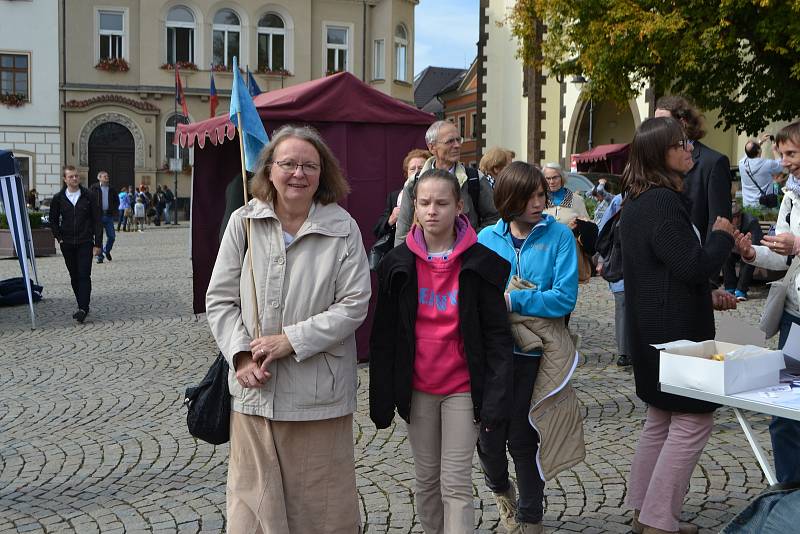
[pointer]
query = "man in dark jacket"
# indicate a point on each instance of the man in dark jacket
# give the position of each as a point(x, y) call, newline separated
point(75, 223)
point(108, 200)
point(708, 183)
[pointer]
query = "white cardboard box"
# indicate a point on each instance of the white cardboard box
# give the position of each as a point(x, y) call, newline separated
point(687, 364)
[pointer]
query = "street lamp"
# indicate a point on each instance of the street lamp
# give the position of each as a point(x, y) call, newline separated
point(580, 80)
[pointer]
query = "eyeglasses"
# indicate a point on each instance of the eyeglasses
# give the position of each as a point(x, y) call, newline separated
point(685, 144)
point(452, 141)
point(292, 166)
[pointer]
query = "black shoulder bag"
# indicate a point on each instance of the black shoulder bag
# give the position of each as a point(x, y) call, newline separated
point(768, 200)
point(208, 404)
point(609, 247)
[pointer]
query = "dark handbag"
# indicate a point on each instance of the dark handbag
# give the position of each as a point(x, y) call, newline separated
point(209, 405)
point(768, 200)
point(209, 402)
point(382, 246)
point(610, 248)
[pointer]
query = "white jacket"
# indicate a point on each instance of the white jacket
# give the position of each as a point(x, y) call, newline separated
point(773, 261)
point(316, 291)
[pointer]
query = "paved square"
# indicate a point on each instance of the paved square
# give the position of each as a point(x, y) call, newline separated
point(93, 435)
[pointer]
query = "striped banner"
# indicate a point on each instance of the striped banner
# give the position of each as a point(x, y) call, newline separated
point(13, 198)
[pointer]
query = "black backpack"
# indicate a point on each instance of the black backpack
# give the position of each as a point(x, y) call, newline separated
point(609, 247)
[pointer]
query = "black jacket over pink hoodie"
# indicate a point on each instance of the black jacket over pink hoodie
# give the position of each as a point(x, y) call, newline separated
point(482, 324)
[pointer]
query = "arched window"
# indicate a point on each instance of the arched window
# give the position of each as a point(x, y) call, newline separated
point(400, 52)
point(271, 42)
point(226, 32)
point(175, 151)
point(180, 35)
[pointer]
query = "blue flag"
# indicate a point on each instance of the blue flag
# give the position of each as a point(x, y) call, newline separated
point(252, 85)
point(254, 137)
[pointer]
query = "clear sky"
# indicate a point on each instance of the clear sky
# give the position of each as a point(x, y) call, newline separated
point(446, 33)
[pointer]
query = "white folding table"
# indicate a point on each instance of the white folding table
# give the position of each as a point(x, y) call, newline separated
point(755, 401)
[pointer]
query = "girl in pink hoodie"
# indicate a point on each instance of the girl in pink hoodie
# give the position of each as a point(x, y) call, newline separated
point(440, 351)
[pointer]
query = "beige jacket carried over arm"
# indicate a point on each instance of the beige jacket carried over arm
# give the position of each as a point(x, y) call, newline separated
point(316, 291)
point(555, 412)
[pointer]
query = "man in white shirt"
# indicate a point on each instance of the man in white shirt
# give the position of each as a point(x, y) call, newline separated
point(757, 173)
point(75, 223)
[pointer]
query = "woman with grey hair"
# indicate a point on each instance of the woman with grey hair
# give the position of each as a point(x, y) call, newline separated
point(289, 288)
point(560, 198)
point(568, 208)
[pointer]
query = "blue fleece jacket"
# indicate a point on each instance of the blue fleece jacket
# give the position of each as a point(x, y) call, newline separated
point(548, 259)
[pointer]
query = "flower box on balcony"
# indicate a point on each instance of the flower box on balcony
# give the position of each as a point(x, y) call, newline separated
point(112, 64)
point(182, 65)
point(13, 100)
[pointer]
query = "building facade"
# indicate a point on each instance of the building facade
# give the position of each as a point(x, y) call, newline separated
point(459, 102)
point(563, 121)
point(29, 114)
point(118, 93)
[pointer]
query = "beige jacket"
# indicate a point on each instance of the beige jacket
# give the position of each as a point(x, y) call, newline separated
point(555, 411)
point(316, 291)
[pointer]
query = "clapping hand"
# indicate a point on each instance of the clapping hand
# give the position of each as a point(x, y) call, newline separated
point(783, 244)
point(723, 225)
point(744, 245)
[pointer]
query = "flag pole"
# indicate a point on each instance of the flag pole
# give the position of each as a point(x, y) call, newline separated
point(177, 147)
point(247, 219)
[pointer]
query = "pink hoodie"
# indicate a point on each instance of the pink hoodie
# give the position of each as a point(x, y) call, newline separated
point(440, 364)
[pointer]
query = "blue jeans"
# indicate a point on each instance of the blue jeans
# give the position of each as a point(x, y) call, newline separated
point(785, 433)
point(108, 226)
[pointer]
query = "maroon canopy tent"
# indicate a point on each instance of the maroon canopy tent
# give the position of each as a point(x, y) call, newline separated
point(603, 158)
point(369, 132)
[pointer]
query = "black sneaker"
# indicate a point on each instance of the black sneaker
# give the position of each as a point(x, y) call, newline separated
point(75, 315)
point(108, 256)
point(80, 315)
point(99, 259)
point(624, 361)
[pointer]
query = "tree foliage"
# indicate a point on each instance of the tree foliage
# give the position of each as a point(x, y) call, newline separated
point(739, 56)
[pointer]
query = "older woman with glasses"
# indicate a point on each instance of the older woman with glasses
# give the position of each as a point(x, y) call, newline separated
point(569, 209)
point(283, 305)
point(667, 297)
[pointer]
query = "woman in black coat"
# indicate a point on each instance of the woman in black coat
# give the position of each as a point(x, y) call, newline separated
point(667, 297)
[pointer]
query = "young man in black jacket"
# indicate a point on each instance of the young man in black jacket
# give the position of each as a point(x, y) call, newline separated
point(75, 222)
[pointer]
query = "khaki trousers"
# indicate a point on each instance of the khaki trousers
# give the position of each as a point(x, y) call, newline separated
point(443, 434)
point(291, 477)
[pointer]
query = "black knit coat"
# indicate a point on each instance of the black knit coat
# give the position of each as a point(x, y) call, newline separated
point(667, 290)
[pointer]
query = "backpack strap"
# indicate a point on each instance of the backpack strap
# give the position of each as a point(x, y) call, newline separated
point(474, 188)
point(750, 175)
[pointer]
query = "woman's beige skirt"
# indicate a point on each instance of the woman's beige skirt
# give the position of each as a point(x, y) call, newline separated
point(292, 477)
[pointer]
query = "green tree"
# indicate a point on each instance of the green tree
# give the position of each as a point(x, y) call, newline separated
point(739, 56)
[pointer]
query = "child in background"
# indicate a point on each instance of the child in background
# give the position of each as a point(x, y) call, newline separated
point(138, 214)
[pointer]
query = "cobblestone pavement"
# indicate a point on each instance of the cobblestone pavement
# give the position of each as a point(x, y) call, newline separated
point(92, 433)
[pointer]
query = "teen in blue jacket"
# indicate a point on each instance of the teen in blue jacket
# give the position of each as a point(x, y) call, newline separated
point(547, 258)
point(544, 253)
